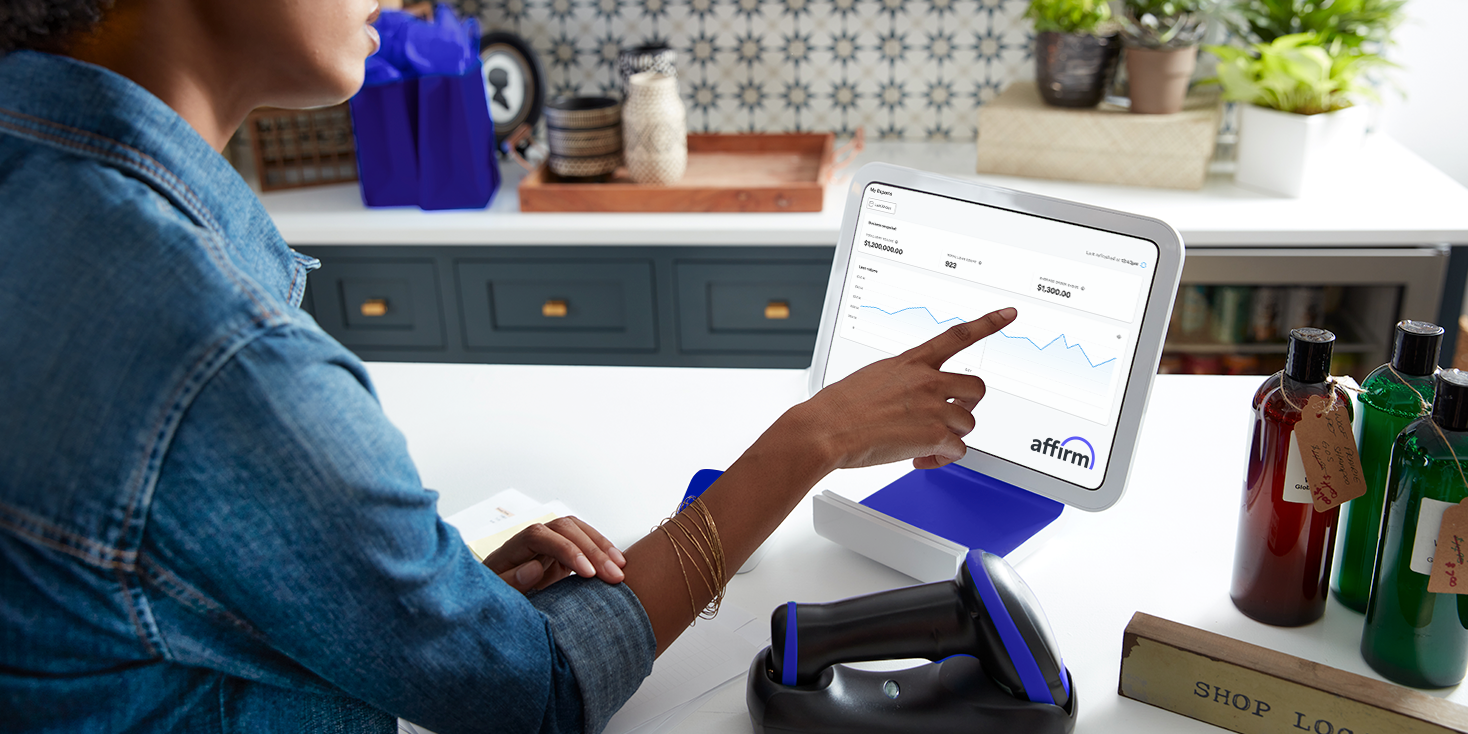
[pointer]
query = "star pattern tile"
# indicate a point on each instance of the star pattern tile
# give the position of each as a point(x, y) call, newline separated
point(904, 69)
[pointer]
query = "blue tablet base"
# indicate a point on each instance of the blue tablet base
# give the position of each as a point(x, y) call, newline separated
point(972, 509)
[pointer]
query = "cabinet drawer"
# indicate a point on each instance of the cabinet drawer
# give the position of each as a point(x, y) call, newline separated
point(771, 307)
point(588, 305)
point(378, 303)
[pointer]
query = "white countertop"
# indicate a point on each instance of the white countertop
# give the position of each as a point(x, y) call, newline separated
point(619, 444)
point(1397, 198)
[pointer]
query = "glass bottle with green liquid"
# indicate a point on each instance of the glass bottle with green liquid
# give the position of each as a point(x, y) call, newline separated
point(1412, 636)
point(1393, 395)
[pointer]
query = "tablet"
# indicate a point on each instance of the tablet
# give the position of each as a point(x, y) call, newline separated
point(1067, 382)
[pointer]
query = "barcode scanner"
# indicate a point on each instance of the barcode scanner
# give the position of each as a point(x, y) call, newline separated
point(995, 665)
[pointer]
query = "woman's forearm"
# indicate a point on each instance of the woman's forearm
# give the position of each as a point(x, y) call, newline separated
point(747, 503)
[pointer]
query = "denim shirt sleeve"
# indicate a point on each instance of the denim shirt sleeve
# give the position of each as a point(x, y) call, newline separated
point(289, 508)
point(609, 668)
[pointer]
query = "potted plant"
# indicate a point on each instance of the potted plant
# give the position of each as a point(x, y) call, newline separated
point(1298, 121)
point(1076, 46)
point(1357, 24)
point(1162, 38)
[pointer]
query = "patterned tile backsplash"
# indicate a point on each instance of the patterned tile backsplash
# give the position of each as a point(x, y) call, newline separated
point(903, 69)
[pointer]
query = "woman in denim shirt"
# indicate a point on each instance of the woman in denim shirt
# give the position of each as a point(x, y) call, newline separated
point(206, 522)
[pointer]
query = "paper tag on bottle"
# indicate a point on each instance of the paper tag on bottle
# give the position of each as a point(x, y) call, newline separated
point(1424, 541)
point(1328, 450)
point(1450, 560)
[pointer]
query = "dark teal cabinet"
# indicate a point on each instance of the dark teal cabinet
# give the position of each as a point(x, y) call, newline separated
point(614, 305)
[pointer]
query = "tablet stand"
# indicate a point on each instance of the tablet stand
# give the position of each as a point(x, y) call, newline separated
point(925, 523)
point(974, 510)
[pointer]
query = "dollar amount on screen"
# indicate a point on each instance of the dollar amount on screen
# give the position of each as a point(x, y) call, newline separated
point(882, 246)
point(1052, 290)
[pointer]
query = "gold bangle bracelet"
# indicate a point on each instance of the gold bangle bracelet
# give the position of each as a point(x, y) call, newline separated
point(703, 537)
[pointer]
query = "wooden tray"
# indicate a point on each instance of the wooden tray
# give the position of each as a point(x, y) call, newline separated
point(727, 172)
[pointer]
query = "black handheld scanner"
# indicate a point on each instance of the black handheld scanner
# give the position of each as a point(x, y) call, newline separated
point(987, 611)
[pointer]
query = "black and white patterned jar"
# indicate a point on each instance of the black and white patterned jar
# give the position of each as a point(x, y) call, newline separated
point(584, 135)
point(660, 59)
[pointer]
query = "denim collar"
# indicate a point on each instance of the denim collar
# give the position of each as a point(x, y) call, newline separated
point(92, 112)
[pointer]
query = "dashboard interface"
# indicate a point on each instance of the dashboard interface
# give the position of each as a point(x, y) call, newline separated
point(1055, 378)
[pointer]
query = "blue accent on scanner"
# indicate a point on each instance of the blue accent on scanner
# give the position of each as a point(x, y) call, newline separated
point(972, 509)
point(792, 658)
point(1020, 654)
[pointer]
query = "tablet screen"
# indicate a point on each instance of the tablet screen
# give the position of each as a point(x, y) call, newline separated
point(921, 262)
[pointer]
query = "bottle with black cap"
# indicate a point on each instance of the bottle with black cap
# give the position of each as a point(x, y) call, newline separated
point(1282, 557)
point(1393, 396)
point(1412, 636)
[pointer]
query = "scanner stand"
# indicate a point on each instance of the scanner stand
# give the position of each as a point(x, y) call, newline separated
point(952, 696)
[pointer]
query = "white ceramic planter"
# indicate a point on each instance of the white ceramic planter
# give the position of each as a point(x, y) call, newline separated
point(654, 129)
point(1293, 155)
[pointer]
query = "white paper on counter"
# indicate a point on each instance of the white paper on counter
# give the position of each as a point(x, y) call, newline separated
point(702, 659)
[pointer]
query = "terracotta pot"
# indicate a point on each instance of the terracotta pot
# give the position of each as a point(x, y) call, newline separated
point(1159, 78)
point(1073, 70)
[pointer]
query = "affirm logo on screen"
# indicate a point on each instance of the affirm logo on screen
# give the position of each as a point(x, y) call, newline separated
point(1058, 450)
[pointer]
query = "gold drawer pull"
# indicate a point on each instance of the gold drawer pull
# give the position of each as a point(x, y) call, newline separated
point(554, 308)
point(777, 310)
point(374, 307)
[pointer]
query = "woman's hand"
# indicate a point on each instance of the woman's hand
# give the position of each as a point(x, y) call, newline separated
point(541, 555)
point(904, 406)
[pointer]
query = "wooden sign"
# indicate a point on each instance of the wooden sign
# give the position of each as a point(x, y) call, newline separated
point(1255, 690)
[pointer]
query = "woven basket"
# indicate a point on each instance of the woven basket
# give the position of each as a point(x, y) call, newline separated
point(1019, 135)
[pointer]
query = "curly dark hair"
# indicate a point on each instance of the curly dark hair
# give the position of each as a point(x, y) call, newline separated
point(46, 24)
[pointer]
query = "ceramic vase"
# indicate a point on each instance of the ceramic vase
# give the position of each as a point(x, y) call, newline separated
point(654, 129)
point(1074, 70)
point(1293, 155)
point(1158, 78)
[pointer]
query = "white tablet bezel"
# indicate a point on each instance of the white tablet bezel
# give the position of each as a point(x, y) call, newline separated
point(1158, 309)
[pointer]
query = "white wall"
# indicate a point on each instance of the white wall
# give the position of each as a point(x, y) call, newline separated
point(1432, 119)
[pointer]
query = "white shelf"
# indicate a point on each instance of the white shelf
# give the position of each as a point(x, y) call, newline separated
point(1397, 199)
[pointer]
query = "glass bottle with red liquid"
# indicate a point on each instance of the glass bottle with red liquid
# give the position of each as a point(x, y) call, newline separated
point(1283, 553)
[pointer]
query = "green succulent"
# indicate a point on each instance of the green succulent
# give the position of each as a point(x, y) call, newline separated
point(1068, 16)
point(1296, 73)
point(1165, 23)
point(1355, 23)
point(1168, 8)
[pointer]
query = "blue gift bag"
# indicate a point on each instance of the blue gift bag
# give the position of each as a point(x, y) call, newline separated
point(387, 153)
point(422, 120)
